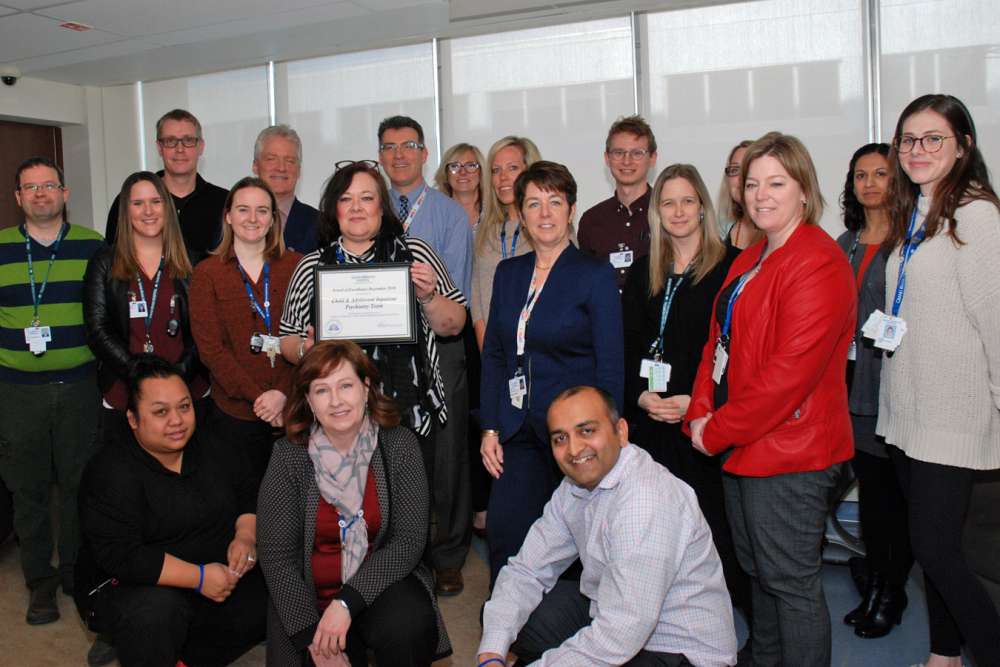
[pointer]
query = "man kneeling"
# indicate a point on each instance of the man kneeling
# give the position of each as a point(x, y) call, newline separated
point(651, 592)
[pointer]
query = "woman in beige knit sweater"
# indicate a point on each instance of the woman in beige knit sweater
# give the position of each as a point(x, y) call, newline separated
point(940, 391)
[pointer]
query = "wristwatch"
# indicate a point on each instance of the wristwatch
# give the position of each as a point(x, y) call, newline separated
point(344, 605)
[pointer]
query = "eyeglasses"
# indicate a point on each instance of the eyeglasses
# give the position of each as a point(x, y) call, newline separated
point(455, 167)
point(343, 164)
point(50, 186)
point(618, 154)
point(930, 144)
point(171, 142)
point(732, 170)
point(404, 146)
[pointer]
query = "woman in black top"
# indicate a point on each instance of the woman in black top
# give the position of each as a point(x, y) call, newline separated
point(686, 265)
point(881, 502)
point(169, 535)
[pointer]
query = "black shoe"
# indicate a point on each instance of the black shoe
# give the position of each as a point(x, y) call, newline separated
point(858, 566)
point(886, 614)
point(875, 586)
point(42, 607)
point(102, 652)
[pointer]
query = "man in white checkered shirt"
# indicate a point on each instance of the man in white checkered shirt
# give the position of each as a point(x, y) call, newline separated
point(652, 590)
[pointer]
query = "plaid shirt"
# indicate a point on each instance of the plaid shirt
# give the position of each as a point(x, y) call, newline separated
point(650, 571)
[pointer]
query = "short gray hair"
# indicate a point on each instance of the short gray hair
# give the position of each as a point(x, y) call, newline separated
point(283, 131)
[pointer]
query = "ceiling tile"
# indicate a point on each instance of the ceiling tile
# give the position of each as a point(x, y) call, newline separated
point(87, 54)
point(28, 5)
point(148, 17)
point(6, 10)
point(27, 35)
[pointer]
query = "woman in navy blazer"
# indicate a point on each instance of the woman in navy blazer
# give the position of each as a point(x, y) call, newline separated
point(571, 335)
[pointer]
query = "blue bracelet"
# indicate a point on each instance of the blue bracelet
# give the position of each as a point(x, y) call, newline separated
point(489, 660)
point(201, 577)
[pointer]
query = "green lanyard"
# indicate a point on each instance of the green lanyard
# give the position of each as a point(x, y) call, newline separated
point(36, 298)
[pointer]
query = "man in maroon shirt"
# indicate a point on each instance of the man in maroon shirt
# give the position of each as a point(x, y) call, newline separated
point(616, 229)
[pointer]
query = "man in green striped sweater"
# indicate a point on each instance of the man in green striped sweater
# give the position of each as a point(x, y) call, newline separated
point(47, 378)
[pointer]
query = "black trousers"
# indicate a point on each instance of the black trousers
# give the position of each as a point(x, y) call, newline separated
point(561, 614)
point(399, 628)
point(883, 517)
point(517, 499)
point(957, 604)
point(250, 442)
point(155, 626)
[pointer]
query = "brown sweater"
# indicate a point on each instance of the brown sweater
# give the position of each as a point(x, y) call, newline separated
point(222, 322)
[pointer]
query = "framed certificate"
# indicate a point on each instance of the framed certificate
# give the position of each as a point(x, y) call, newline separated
point(366, 303)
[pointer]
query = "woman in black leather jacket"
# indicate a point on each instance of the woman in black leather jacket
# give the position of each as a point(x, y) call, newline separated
point(136, 295)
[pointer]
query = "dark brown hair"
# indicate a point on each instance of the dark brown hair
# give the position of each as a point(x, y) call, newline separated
point(967, 181)
point(319, 362)
point(338, 184)
point(548, 177)
point(854, 212)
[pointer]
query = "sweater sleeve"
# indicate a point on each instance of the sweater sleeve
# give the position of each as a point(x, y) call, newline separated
point(979, 281)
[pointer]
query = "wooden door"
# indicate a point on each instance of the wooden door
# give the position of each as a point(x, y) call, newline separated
point(18, 142)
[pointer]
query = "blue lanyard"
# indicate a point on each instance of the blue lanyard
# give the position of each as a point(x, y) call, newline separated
point(913, 239)
point(736, 294)
point(656, 349)
point(150, 307)
point(265, 312)
point(36, 299)
point(513, 240)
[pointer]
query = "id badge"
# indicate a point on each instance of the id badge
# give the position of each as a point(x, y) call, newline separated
point(872, 325)
point(518, 388)
point(622, 260)
point(37, 338)
point(659, 376)
point(256, 343)
point(137, 310)
point(721, 361)
point(852, 351)
point(271, 347)
point(890, 333)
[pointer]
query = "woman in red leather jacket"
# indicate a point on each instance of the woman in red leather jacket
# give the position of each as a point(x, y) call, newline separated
point(770, 398)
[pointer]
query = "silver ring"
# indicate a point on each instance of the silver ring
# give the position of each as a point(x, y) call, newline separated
point(251, 559)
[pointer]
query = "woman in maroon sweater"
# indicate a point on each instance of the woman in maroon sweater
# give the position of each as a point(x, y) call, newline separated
point(236, 299)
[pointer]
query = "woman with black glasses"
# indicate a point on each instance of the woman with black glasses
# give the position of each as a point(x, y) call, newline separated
point(357, 226)
point(461, 176)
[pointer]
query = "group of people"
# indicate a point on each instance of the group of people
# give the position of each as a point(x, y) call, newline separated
point(169, 380)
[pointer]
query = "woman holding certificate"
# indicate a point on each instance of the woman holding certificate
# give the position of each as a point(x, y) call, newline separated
point(236, 299)
point(770, 397)
point(135, 296)
point(939, 404)
point(555, 322)
point(357, 226)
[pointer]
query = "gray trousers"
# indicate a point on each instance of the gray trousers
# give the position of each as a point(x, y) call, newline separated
point(47, 435)
point(778, 524)
point(561, 614)
point(451, 503)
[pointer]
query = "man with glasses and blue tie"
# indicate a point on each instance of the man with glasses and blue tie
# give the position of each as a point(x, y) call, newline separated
point(439, 220)
point(616, 229)
point(199, 203)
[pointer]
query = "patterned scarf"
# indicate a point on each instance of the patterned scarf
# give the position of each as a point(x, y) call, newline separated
point(341, 479)
point(411, 374)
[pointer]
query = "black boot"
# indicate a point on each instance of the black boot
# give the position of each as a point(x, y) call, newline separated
point(887, 613)
point(874, 586)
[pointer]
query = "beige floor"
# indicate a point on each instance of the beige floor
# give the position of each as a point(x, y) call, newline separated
point(65, 643)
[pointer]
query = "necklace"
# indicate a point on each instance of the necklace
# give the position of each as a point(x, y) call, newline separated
point(542, 268)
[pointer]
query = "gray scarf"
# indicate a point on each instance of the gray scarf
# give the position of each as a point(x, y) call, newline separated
point(341, 479)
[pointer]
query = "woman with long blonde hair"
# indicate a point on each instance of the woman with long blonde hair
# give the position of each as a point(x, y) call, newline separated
point(499, 235)
point(666, 307)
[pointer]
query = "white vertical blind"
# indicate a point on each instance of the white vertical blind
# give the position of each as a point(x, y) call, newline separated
point(721, 74)
point(336, 104)
point(560, 86)
point(232, 108)
point(943, 47)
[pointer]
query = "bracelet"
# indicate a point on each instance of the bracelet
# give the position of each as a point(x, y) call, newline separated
point(424, 302)
point(490, 431)
point(302, 348)
point(344, 605)
point(490, 660)
point(201, 577)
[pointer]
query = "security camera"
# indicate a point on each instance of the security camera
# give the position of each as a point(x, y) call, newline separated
point(9, 75)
